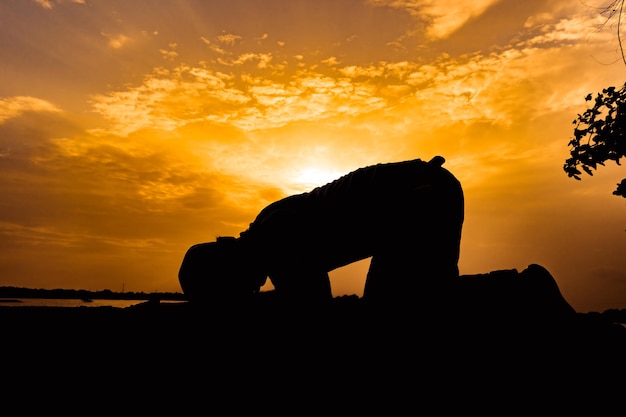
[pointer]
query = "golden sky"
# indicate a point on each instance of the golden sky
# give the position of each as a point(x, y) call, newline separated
point(131, 130)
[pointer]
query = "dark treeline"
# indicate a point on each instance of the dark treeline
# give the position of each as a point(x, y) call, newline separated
point(18, 292)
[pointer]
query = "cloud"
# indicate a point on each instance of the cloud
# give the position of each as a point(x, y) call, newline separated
point(46, 4)
point(308, 97)
point(168, 99)
point(229, 39)
point(13, 107)
point(171, 53)
point(257, 90)
point(331, 62)
point(566, 31)
point(117, 41)
point(442, 17)
point(83, 189)
point(49, 4)
point(262, 59)
point(494, 87)
point(248, 103)
point(212, 46)
point(47, 235)
point(388, 104)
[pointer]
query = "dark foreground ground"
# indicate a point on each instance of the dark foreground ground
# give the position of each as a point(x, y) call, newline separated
point(341, 358)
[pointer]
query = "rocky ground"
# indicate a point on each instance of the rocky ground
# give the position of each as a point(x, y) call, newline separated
point(342, 357)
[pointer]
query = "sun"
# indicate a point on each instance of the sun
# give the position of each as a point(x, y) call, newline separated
point(311, 177)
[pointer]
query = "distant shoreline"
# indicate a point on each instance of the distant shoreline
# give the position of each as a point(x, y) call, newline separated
point(8, 292)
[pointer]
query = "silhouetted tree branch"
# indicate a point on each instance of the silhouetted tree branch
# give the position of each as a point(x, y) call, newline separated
point(599, 135)
point(614, 10)
point(599, 132)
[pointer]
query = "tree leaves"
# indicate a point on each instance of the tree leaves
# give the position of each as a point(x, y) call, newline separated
point(599, 135)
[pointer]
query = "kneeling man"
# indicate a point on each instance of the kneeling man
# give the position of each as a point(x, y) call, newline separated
point(407, 216)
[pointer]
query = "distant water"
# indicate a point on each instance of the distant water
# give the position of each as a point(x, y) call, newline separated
point(69, 302)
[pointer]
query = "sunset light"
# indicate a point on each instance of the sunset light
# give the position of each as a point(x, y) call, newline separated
point(313, 177)
point(130, 130)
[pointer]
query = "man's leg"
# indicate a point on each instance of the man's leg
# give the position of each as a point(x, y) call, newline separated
point(508, 294)
point(539, 293)
point(413, 273)
point(417, 256)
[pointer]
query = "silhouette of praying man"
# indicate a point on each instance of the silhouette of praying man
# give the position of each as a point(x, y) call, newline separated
point(407, 216)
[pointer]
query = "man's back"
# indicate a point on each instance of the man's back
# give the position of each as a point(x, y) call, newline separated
point(352, 217)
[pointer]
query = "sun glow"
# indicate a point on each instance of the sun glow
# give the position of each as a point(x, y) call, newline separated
point(311, 177)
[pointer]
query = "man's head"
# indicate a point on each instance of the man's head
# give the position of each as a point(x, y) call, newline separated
point(219, 270)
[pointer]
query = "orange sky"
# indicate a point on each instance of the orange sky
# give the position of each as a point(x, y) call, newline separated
point(130, 130)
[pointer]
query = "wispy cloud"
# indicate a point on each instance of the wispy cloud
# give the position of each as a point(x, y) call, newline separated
point(169, 99)
point(491, 87)
point(12, 107)
point(229, 39)
point(442, 17)
point(49, 4)
point(117, 41)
